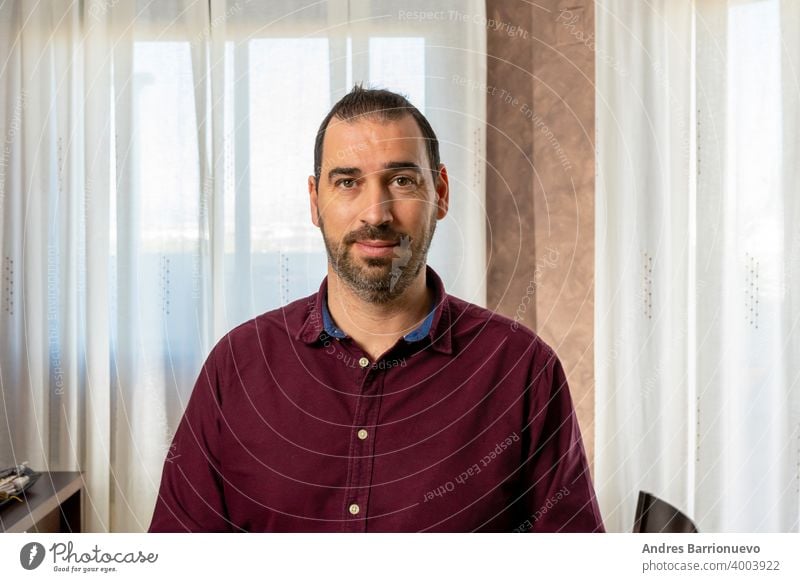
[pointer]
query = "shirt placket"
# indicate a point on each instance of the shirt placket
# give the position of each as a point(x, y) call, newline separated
point(362, 447)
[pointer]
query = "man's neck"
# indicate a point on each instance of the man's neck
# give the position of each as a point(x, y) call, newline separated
point(376, 327)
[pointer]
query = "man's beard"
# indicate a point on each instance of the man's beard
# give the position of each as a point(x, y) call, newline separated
point(379, 279)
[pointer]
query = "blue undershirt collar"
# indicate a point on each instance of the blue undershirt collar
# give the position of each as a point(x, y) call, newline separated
point(417, 334)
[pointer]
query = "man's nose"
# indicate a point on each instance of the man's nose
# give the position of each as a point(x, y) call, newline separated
point(377, 203)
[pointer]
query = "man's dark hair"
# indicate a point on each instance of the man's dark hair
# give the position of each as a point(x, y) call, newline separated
point(384, 105)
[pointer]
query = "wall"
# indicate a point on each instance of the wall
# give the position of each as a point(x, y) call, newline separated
point(540, 180)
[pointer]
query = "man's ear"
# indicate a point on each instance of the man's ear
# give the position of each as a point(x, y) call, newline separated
point(313, 198)
point(442, 193)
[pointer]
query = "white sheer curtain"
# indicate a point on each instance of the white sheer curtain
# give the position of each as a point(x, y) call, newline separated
point(152, 175)
point(698, 261)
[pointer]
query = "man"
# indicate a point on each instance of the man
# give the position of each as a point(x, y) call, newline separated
point(380, 403)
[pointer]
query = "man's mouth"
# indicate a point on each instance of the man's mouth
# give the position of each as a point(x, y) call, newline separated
point(376, 248)
point(378, 243)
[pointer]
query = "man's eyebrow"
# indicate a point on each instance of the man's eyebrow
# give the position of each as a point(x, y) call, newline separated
point(403, 166)
point(352, 171)
point(343, 171)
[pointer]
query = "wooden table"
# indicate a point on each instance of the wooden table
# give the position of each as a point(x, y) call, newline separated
point(53, 504)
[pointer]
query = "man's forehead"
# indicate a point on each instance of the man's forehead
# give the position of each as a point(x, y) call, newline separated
point(354, 138)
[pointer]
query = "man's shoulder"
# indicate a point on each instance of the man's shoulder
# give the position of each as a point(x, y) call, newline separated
point(279, 325)
point(471, 320)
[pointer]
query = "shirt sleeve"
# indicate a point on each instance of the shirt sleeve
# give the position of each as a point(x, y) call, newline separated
point(561, 497)
point(191, 497)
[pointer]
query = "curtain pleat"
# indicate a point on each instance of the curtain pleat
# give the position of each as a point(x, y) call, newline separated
point(697, 315)
point(153, 158)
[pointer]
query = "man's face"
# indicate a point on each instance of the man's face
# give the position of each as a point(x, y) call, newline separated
point(377, 204)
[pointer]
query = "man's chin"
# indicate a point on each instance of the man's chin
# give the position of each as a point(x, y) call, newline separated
point(377, 263)
point(373, 281)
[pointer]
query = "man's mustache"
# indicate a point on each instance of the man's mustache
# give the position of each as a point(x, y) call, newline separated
point(373, 233)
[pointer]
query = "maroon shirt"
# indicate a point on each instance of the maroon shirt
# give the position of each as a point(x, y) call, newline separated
point(469, 427)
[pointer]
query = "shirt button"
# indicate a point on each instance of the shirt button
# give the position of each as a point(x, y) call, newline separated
point(354, 509)
point(363, 362)
point(362, 434)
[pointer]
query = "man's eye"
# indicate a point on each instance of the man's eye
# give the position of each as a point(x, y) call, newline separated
point(346, 183)
point(404, 181)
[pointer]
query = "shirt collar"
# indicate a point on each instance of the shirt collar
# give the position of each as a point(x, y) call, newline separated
point(413, 336)
point(319, 326)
